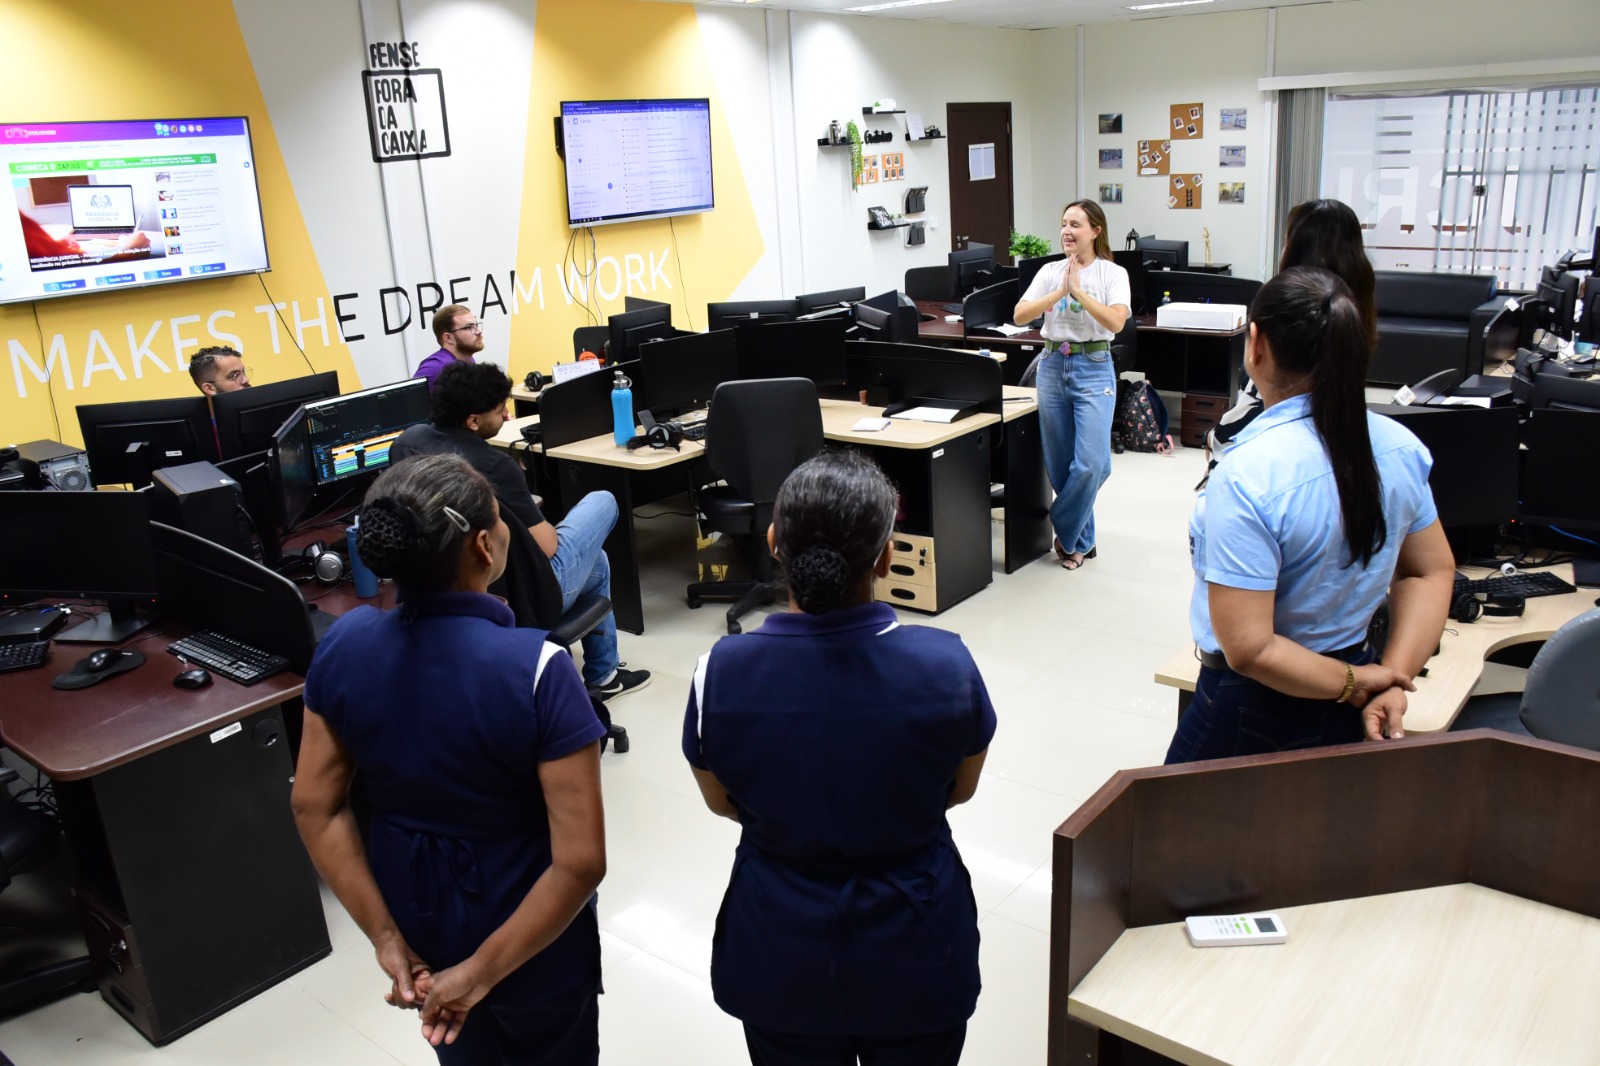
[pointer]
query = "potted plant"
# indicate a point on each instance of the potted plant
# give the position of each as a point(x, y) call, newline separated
point(1027, 246)
point(854, 133)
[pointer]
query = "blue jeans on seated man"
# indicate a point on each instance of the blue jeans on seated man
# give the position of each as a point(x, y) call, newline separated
point(581, 566)
point(1077, 399)
point(1233, 715)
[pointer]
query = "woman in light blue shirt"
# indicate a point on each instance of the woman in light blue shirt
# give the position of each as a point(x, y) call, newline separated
point(1316, 513)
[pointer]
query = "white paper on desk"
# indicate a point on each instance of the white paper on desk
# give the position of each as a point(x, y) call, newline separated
point(1007, 329)
point(568, 371)
point(1461, 401)
point(928, 414)
point(871, 425)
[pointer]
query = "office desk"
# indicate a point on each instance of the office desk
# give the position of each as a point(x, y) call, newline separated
point(1462, 651)
point(1190, 360)
point(1019, 349)
point(1450, 914)
point(196, 891)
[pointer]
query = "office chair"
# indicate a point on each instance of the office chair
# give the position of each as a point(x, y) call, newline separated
point(1561, 699)
point(590, 339)
point(929, 283)
point(756, 434)
point(29, 839)
point(533, 592)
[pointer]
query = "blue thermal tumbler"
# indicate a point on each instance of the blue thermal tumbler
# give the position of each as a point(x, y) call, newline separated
point(366, 580)
point(622, 410)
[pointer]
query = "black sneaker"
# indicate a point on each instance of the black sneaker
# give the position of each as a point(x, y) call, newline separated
point(621, 683)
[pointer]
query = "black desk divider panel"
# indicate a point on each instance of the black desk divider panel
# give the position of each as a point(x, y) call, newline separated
point(574, 410)
point(989, 307)
point(906, 370)
point(1558, 489)
point(1192, 286)
point(1474, 475)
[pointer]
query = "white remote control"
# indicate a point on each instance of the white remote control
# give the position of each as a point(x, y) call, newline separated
point(1236, 929)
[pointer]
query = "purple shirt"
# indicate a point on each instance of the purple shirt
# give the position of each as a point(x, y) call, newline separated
point(431, 367)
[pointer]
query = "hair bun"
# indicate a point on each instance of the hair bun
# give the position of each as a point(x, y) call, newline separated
point(388, 537)
point(820, 578)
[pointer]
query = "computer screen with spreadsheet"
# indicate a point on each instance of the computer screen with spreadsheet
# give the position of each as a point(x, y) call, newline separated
point(628, 160)
point(336, 441)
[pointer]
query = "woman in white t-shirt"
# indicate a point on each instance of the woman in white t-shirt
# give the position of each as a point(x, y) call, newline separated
point(1085, 301)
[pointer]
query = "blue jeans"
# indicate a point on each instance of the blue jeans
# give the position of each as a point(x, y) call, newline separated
point(1233, 715)
point(581, 566)
point(1077, 399)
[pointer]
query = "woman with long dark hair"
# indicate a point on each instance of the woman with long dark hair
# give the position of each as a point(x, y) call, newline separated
point(1085, 302)
point(837, 739)
point(1320, 233)
point(1316, 513)
point(480, 754)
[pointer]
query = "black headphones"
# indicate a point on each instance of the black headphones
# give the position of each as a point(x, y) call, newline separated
point(535, 381)
point(1469, 607)
point(659, 435)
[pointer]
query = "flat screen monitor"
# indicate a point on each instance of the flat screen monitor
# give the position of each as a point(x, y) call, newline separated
point(630, 329)
point(817, 301)
point(812, 350)
point(126, 441)
point(990, 306)
point(1554, 392)
point(247, 418)
point(1560, 292)
point(875, 324)
point(966, 264)
point(339, 443)
point(680, 374)
point(1159, 254)
point(117, 205)
point(1557, 492)
point(889, 300)
point(628, 160)
point(80, 545)
point(1029, 269)
point(1474, 449)
point(731, 313)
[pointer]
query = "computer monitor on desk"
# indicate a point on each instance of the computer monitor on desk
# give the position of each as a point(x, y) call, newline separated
point(80, 545)
point(812, 350)
point(1028, 269)
point(633, 328)
point(989, 307)
point(1159, 254)
point(1559, 491)
point(730, 313)
point(1474, 475)
point(248, 418)
point(811, 302)
point(680, 374)
point(1558, 393)
point(1560, 292)
point(337, 445)
point(126, 441)
point(966, 264)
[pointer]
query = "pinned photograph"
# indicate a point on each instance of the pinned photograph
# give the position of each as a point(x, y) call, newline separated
point(1230, 192)
point(1196, 179)
point(1172, 201)
point(1111, 159)
point(1194, 113)
point(1144, 160)
point(1231, 155)
point(1177, 181)
point(1111, 194)
point(1177, 122)
point(1193, 130)
point(1233, 118)
point(1111, 122)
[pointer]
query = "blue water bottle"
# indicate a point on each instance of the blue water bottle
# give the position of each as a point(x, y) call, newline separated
point(622, 410)
point(366, 581)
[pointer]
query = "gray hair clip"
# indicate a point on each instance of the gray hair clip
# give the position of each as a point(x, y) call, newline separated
point(457, 519)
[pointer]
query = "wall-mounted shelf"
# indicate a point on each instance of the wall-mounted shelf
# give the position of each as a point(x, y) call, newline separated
point(870, 113)
point(915, 140)
point(892, 225)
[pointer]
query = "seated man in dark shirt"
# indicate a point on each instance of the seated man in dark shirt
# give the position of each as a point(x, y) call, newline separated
point(468, 406)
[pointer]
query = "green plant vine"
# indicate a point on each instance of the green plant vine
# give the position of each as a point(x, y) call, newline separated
point(854, 133)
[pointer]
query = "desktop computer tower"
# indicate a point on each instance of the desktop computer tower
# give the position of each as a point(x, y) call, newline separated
point(51, 464)
point(200, 499)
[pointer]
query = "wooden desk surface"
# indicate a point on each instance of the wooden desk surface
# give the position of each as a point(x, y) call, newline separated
point(511, 432)
point(1147, 324)
point(838, 416)
point(938, 331)
point(73, 735)
point(1454, 974)
point(1462, 651)
point(1019, 401)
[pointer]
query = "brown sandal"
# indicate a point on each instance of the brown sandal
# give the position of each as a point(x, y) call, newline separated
point(1068, 563)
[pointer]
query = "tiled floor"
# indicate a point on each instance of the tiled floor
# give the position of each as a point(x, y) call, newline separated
point(1068, 658)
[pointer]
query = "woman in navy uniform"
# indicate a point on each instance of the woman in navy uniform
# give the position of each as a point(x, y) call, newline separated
point(838, 738)
point(479, 750)
point(1318, 511)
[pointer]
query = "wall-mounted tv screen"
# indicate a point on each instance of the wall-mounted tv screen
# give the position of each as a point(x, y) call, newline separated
point(109, 205)
point(629, 160)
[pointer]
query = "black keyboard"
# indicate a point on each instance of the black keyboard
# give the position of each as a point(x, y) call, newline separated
point(1532, 583)
point(232, 659)
point(23, 656)
point(952, 309)
point(694, 431)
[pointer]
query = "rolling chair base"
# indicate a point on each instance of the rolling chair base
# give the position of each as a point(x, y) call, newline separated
point(745, 595)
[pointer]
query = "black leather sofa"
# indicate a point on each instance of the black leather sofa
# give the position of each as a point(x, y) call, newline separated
point(1430, 322)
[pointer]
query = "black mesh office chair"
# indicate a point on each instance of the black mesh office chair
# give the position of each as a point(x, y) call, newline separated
point(929, 283)
point(756, 434)
point(532, 591)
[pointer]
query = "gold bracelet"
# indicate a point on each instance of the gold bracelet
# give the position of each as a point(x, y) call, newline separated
point(1349, 683)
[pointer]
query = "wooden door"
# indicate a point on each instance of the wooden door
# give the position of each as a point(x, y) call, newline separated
point(980, 210)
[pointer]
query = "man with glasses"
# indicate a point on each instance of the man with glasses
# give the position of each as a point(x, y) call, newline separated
point(459, 333)
point(219, 369)
point(466, 409)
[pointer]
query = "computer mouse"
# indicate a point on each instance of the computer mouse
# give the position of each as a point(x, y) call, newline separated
point(102, 660)
point(195, 678)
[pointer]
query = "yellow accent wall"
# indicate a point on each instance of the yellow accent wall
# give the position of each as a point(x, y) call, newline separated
point(78, 60)
point(611, 50)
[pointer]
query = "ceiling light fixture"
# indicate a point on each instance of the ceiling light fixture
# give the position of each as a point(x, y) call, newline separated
point(899, 3)
point(1169, 3)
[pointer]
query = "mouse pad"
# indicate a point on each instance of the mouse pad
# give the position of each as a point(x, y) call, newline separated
point(80, 677)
